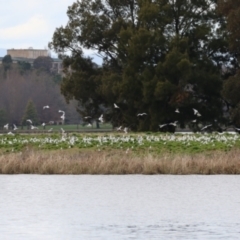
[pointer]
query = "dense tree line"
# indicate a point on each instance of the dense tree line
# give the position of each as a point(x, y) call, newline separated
point(23, 93)
point(158, 56)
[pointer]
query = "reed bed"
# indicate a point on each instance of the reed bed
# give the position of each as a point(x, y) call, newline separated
point(74, 161)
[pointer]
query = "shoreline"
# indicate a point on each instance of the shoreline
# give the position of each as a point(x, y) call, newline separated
point(75, 161)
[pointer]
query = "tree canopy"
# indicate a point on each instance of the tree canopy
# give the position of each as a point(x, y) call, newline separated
point(157, 56)
point(30, 113)
point(43, 63)
point(7, 61)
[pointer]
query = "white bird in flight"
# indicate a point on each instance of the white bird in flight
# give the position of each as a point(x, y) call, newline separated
point(44, 107)
point(206, 127)
point(101, 118)
point(61, 111)
point(63, 117)
point(141, 114)
point(63, 114)
point(29, 120)
point(177, 111)
point(196, 112)
point(119, 128)
point(115, 105)
point(6, 126)
point(173, 123)
point(125, 130)
point(163, 125)
point(14, 127)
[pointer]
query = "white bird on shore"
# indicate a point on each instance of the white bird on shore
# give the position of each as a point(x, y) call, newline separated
point(49, 130)
point(33, 127)
point(125, 130)
point(196, 112)
point(43, 124)
point(10, 133)
point(44, 107)
point(89, 125)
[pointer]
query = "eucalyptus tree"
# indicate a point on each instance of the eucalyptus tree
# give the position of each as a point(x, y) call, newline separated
point(157, 55)
point(231, 12)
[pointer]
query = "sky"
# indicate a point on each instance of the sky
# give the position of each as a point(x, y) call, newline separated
point(31, 23)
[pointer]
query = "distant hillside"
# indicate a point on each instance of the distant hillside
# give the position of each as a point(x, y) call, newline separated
point(3, 52)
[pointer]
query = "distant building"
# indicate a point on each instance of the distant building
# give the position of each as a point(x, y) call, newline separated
point(30, 54)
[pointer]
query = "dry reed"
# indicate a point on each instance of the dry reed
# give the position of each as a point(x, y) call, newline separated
point(118, 162)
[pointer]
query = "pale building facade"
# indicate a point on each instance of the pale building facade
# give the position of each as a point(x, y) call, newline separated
point(28, 53)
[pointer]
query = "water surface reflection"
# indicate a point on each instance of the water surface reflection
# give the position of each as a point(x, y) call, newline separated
point(119, 207)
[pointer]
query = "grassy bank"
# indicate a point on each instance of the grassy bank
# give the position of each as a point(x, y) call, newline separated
point(75, 161)
point(115, 153)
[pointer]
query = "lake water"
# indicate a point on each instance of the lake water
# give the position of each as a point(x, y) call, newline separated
point(119, 207)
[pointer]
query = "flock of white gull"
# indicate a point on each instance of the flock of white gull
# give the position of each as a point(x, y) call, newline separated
point(101, 120)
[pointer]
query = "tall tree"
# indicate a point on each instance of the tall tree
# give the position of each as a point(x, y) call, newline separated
point(3, 118)
point(43, 63)
point(30, 113)
point(231, 10)
point(7, 62)
point(153, 53)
